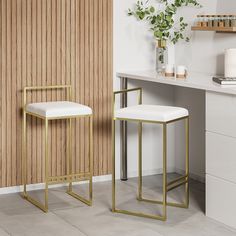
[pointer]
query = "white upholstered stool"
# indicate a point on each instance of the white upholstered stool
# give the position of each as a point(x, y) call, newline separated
point(162, 115)
point(48, 111)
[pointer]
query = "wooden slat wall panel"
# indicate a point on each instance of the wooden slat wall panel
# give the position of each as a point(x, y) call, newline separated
point(44, 42)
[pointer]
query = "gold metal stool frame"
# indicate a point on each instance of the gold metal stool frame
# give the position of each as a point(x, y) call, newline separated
point(183, 180)
point(69, 178)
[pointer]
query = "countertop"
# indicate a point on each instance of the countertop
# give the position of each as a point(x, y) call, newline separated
point(194, 80)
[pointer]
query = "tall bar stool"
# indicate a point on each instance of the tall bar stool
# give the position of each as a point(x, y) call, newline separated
point(59, 110)
point(155, 114)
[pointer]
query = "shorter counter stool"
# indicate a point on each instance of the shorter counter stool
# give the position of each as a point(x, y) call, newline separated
point(58, 110)
point(155, 114)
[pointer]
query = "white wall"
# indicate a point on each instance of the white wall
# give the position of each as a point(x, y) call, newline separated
point(206, 50)
point(134, 50)
point(204, 53)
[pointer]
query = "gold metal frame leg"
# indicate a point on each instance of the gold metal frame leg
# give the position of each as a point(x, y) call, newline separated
point(187, 162)
point(91, 158)
point(113, 167)
point(140, 214)
point(70, 190)
point(164, 182)
point(164, 170)
point(140, 176)
point(177, 182)
point(25, 194)
point(69, 157)
point(24, 155)
point(46, 164)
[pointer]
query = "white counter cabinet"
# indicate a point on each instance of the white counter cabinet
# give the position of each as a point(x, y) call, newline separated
point(221, 157)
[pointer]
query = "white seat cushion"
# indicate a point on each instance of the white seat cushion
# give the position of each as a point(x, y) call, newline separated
point(151, 113)
point(58, 109)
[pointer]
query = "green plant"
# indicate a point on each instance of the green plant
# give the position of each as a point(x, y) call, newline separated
point(162, 19)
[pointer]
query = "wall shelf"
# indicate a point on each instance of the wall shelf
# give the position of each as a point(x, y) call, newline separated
point(217, 29)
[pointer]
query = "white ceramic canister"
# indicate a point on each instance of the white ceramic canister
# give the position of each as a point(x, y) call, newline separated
point(181, 72)
point(230, 62)
point(169, 70)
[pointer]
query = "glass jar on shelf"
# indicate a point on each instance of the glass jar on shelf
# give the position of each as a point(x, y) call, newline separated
point(204, 21)
point(221, 21)
point(198, 22)
point(227, 21)
point(215, 21)
point(233, 21)
point(210, 20)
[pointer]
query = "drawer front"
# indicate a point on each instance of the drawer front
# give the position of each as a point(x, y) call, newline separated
point(221, 113)
point(220, 200)
point(221, 156)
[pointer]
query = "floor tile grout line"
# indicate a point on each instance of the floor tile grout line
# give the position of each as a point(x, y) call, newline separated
point(74, 226)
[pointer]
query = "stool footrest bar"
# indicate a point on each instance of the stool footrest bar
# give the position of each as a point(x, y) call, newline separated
point(35, 202)
point(172, 204)
point(177, 180)
point(140, 214)
point(176, 185)
point(78, 197)
point(68, 178)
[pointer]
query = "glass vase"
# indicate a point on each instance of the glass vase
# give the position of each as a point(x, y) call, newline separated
point(161, 55)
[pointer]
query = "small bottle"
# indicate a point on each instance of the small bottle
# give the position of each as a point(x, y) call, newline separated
point(233, 21)
point(227, 21)
point(210, 21)
point(221, 21)
point(199, 21)
point(216, 21)
point(204, 21)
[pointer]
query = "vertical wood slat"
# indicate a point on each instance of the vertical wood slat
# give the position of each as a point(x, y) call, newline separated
point(18, 85)
point(39, 81)
point(53, 81)
point(81, 84)
point(23, 66)
point(100, 82)
point(48, 42)
point(72, 73)
point(109, 75)
point(14, 90)
point(58, 81)
point(96, 91)
point(28, 82)
point(77, 73)
point(8, 90)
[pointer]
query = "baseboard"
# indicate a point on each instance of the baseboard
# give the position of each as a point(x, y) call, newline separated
point(32, 187)
point(192, 176)
point(103, 178)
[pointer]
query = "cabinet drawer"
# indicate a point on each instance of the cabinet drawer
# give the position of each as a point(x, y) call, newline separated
point(220, 200)
point(221, 156)
point(221, 113)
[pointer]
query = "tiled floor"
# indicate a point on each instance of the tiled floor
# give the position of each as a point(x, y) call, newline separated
point(68, 217)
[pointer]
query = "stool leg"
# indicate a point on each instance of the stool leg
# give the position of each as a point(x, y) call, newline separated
point(24, 155)
point(113, 168)
point(91, 158)
point(69, 164)
point(140, 177)
point(70, 152)
point(187, 162)
point(46, 164)
point(164, 202)
point(43, 207)
point(164, 170)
